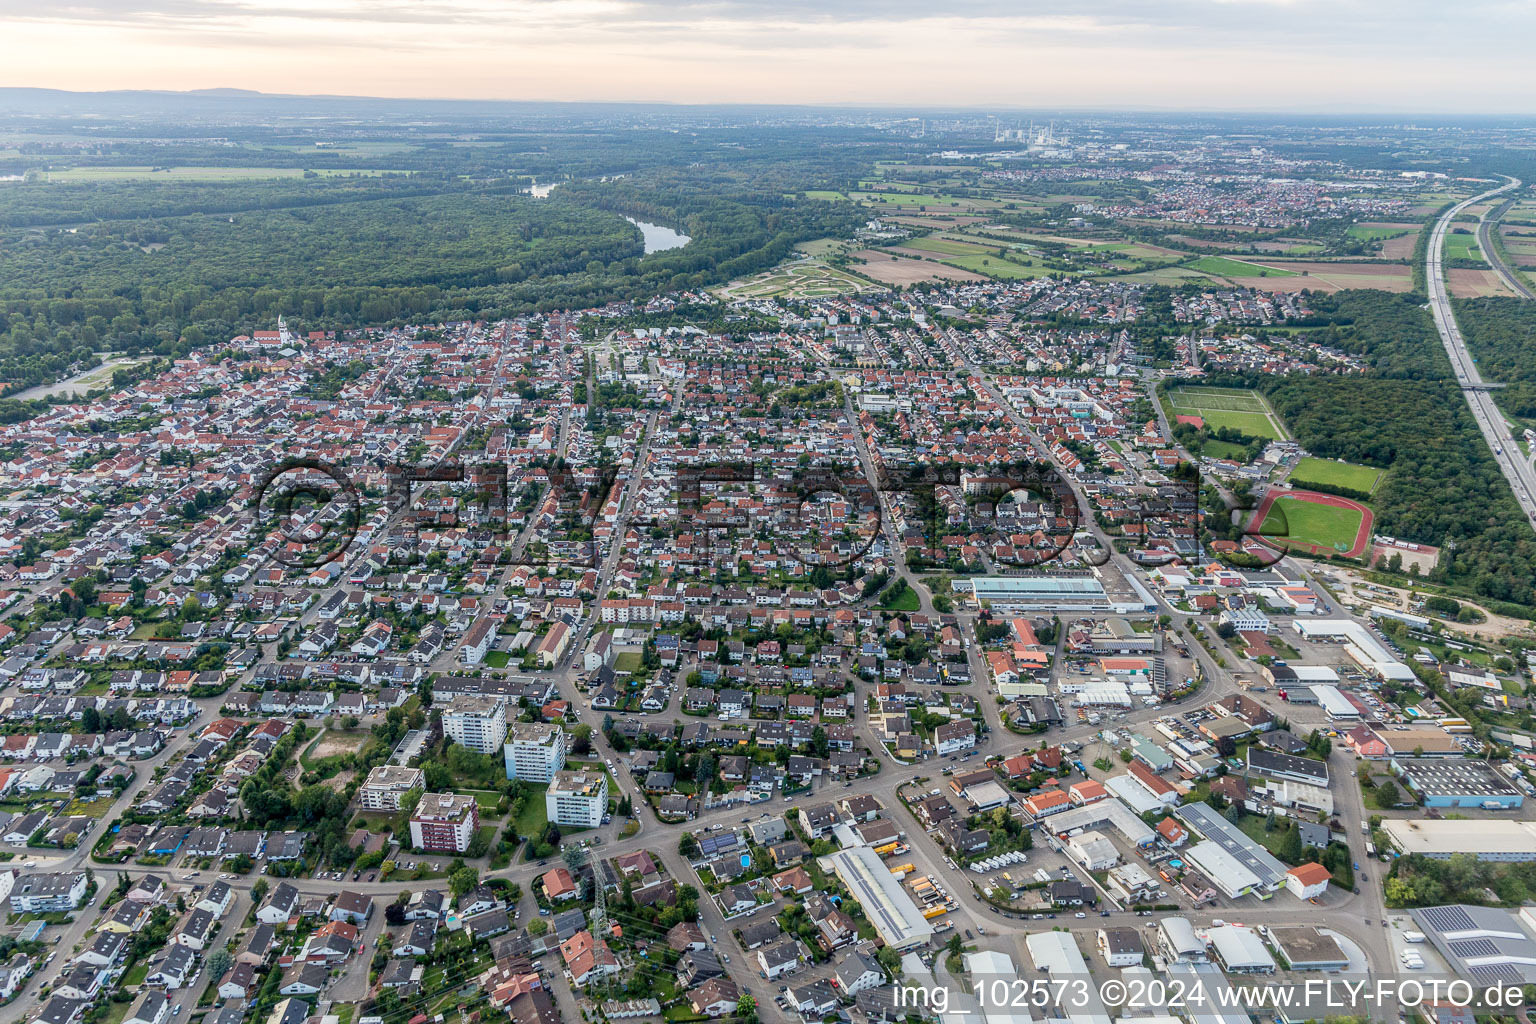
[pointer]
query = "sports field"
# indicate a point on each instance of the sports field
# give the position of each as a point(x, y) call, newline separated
point(1335, 474)
point(1315, 523)
point(1238, 408)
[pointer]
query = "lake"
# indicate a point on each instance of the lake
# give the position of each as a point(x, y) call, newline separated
point(657, 237)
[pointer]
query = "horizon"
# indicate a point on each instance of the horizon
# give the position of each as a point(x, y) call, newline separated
point(1259, 56)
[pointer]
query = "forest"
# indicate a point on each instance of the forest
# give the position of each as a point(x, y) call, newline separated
point(167, 265)
point(1501, 332)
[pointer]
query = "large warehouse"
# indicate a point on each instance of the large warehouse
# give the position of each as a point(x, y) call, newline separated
point(1359, 645)
point(1230, 859)
point(886, 904)
point(1484, 944)
point(1038, 593)
point(1511, 841)
point(1455, 782)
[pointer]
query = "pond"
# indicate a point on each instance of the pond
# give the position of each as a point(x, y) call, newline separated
point(658, 238)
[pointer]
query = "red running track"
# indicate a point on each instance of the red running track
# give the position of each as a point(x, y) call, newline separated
point(1362, 536)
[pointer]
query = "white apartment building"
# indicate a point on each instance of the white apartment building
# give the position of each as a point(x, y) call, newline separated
point(578, 799)
point(385, 786)
point(479, 723)
point(534, 751)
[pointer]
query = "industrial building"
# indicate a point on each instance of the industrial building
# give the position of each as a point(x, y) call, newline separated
point(1507, 841)
point(1307, 949)
point(1359, 646)
point(1108, 811)
point(1483, 944)
point(1240, 950)
point(1061, 594)
point(1057, 954)
point(886, 904)
point(1230, 859)
point(1459, 783)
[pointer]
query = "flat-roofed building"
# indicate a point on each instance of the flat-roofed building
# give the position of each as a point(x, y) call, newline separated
point(445, 821)
point(1307, 949)
point(477, 722)
point(386, 785)
point(1459, 783)
point(534, 751)
point(577, 799)
point(1486, 839)
point(1038, 593)
point(886, 904)
point(1240, 950)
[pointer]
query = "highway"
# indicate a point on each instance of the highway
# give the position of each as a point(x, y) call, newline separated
point(1519, 473)
point(1511, 277)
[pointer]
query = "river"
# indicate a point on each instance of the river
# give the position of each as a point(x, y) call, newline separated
point(657, 237)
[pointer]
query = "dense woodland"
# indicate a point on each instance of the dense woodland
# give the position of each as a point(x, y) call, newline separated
point(1408, 418)
point(1502, 336)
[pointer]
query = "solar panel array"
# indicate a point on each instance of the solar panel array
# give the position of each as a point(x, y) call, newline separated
point(1474, 947)
point(1503, 971)
point(1448, 919)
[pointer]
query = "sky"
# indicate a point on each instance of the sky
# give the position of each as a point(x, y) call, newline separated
point(1431, 56)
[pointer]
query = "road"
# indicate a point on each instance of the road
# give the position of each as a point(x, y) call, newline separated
point(1511, 277)
point(1519, 473)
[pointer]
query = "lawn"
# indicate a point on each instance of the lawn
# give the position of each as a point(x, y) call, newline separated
point(1214, 449)
point(629, 661)
point(993, 266)
point(533, 818)
point(1240, 409)
point(1335, 474)
point(906, 601)
point(1462, 247)
point(1235, 268)
point(1366, 234)
point(1311, 523)
point(944, 245)
point(497, 659)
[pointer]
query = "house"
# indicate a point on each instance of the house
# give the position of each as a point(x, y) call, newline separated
point(175, 969)
point(105, 950)
point(351, 907)
point(239, 982)
point(305, 979)
point(282, 903)
point(716, 997)
point(858, 972)
point(217, 900)
point(779, 958)
point(417, 941)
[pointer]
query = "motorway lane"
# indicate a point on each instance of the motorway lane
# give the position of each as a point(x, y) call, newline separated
point(1508, 274)
point(1520, 474)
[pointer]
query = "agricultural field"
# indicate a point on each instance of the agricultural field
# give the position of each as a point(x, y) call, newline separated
point(888, 268)
point(1462, 247)
point(1225, 267)
point(940, 244)
point(1240, 409)
point(1476, 284)
point(1335, 474)
point(1379, 232)
point(1320, 276)
point(997, 267)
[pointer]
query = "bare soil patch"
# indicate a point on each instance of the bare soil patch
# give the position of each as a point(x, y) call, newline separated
point(902, 270)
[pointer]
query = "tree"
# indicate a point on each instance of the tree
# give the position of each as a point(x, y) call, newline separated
point(1387, 794)
point(746, 1010)
point(258, 891)
point(688, 846)
point(219, 963)
point(463, 880)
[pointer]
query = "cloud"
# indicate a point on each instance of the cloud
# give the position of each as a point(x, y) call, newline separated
point(1266, 53)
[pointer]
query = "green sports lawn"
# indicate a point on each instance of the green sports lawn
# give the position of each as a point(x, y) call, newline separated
point(1238, 408)
point(1336, 474)
point(1311, 523)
